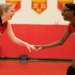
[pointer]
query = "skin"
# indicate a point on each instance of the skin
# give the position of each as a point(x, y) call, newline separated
point(67, 16)
point(8, 16)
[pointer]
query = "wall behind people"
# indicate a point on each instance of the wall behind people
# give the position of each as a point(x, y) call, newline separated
point(35, 28)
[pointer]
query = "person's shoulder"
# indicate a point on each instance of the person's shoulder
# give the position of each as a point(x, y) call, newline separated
point(69, 24)
point(8, 23)
point(68, 27)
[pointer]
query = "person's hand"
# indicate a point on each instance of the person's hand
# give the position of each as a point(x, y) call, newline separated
point(38, 47)
point(30, 47)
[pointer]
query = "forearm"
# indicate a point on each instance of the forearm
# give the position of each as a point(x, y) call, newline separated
point(14, 38)
point(52, 45)
point(19, 42)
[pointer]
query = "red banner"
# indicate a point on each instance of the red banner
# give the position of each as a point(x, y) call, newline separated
point(61, 3)
point(39, 5)
point(16, 3)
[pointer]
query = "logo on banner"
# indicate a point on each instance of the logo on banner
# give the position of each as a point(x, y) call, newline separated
point(61, 3)
point(16, 3)
point(39, 5)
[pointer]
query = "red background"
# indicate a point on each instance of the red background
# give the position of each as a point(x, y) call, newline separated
point(38, 34)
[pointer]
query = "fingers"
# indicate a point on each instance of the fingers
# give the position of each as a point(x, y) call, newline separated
point(29, 49)
point(38, 47)
point(34, 47)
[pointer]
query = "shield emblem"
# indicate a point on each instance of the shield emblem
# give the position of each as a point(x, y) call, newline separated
point(39, 5)
point(16, 3)
point(61, 3)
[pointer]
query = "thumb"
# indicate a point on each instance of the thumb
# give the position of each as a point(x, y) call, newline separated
point(29, 49)
point(39, 48)
point(33, 47)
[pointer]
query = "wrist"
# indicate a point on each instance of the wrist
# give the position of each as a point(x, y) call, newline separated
point(43, 47)
point(26, 44)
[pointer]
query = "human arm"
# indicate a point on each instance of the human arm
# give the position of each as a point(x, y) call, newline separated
point(57, 43)
point(15, 39)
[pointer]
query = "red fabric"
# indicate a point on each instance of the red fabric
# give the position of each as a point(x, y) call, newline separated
point(2, 29)
point(72, 29)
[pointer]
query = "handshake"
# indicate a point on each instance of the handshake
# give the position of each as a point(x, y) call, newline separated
point(34, 47)
point(38, 47)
